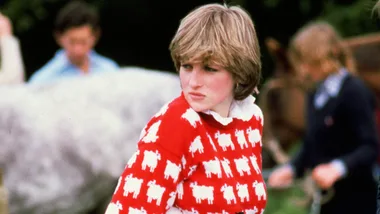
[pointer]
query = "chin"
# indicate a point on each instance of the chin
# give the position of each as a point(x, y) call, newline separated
point(197, 107)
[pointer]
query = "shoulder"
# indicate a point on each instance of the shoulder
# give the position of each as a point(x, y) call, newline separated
point(354, 86)
point(249, 110)
point(103, 61)
point(178, 112)
point(174, 118)
point(173, 127)
point(356, 92)
point(258, 113)
point(50, 69)
point(258, 118)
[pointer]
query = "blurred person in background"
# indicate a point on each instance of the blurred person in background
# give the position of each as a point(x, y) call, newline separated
point(76, 31)
point(340, 145)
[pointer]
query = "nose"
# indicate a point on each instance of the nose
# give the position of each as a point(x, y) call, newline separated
point(78, 49)
point(195, 78)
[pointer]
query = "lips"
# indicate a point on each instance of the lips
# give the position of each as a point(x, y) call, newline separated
point(196, 96)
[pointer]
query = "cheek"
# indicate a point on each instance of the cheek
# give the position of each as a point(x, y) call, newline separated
point(223, 85)
point(67, 45)
point(90, 43)
point(183, 79)
point(64, 43)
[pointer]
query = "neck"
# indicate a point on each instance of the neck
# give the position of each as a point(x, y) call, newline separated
point(223, 109)
point(83, 65)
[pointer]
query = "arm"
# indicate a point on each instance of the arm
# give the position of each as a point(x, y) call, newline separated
point(152, 174)
point(359, 104)
point(12, 67)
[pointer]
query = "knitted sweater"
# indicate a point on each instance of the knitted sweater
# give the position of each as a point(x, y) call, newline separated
point(189, 162)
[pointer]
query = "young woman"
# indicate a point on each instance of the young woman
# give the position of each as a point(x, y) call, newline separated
point(201, 153)
point(340, 144)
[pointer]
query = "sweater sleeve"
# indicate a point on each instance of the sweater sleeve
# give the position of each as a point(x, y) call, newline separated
point(360, 108)
point(12, 66)
point(149, 181)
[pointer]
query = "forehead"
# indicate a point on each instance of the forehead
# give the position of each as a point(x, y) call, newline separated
point(78, 32)
point(205, 60)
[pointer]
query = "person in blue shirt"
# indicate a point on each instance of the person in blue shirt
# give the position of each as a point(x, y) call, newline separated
point(76, 32)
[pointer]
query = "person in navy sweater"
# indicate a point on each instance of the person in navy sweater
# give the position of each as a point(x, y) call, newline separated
point(340, 144)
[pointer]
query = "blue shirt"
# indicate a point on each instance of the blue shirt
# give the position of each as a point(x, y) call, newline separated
point(60, 67)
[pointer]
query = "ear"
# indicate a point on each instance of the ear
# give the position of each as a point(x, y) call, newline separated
point(97, 33)
point(57, 37)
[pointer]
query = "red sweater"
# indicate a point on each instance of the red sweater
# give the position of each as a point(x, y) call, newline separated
point(195, 163)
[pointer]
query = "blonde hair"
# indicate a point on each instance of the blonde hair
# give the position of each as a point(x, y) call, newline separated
point(318, 43)
point(223, 35)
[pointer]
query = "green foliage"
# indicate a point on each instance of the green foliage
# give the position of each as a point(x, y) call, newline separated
point(26, 13)
point(271, 3)
point(351, 20)
point(305, 6)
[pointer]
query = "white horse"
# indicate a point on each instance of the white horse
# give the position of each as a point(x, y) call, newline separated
point(64, 145)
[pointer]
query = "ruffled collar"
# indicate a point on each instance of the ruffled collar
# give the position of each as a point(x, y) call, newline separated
point(240, 109)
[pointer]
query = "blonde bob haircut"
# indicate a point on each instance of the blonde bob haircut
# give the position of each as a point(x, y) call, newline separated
point(223, 35)
point(318, 43)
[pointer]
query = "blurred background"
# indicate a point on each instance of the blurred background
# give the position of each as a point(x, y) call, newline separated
point(138, 33)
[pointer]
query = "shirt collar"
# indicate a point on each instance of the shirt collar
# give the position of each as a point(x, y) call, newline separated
point(242, 109)
point(61, 54)
point(333, 83)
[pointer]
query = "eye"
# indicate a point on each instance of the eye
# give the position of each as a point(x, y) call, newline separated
point(187, 67)
point(210, 69)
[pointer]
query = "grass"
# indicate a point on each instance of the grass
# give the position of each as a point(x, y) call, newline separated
point(283, 201)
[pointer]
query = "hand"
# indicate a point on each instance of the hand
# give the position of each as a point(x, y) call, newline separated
point(281, 177)
point(325, 175)
point(5, 26)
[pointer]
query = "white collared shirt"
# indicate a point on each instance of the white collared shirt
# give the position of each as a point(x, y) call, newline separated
point(330, 87)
